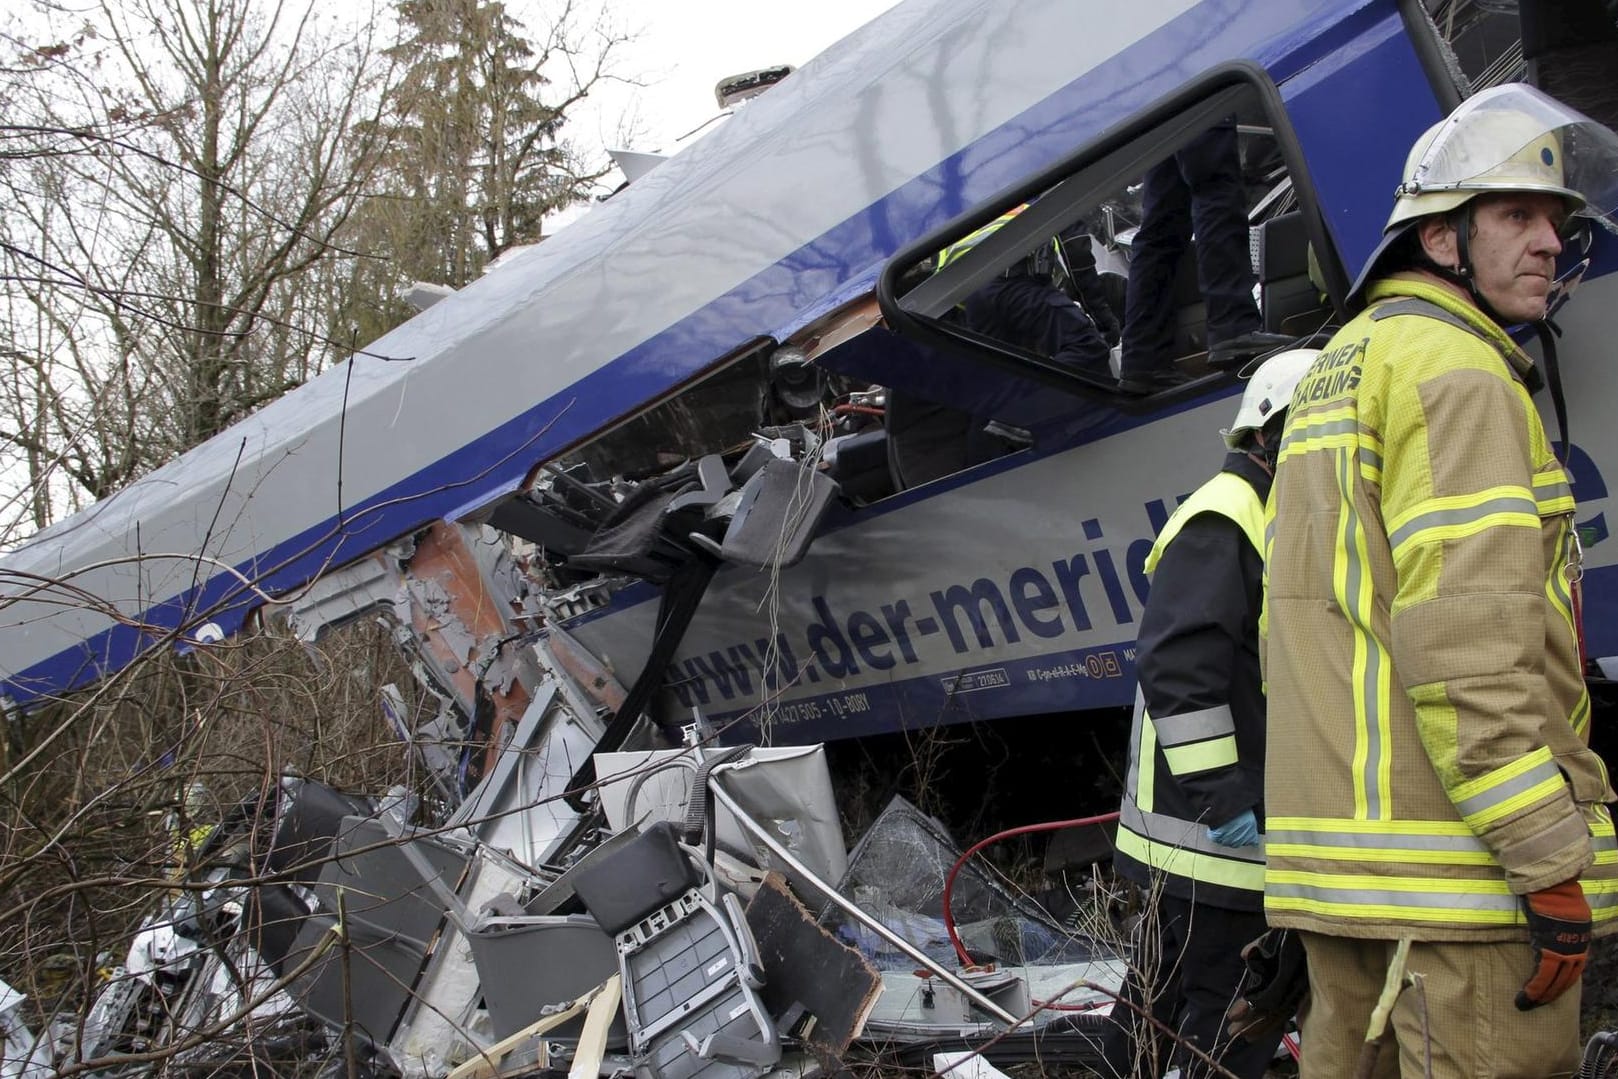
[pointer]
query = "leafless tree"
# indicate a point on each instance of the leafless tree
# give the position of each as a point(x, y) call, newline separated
point(183, 182)
point(186, 168)
point(209, 201)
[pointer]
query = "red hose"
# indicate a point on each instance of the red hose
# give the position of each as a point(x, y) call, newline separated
point(1026, 829)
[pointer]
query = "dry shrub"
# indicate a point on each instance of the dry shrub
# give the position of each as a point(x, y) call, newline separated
point(95, 788)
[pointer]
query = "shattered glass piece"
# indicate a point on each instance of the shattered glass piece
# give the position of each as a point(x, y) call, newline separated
point(896, 874)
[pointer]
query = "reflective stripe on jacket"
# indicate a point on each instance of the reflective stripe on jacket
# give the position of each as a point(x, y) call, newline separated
point(1197, 741)
point(975, 237)
point(1429, 717)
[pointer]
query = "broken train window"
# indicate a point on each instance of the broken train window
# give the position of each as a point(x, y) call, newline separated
point(740, 465)
point(1141, 272)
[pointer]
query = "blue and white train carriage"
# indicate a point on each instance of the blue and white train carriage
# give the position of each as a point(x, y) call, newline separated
point(869, 570)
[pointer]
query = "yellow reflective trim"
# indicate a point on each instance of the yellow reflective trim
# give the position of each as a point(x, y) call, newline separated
point(1201, 756)
point(1606, 783)
point(1556, 590)
point(1316, 444)
point(1459, 516)
point(1526, 775)
point(1340, 577)
point(1371, 665)
point(1402, 855)
point(1580, 719)
point(1370, 456)
point(1603, 907)
point(1370, 882)
point(1465, 529)
point(1146, 768)
point(1559, 596)
point(1367, 827)
point(1385, 912)
point(975, 237)
point(1368, 897)
point(1379, 680)
point(1550, 507)
point(1471, 500)
point(1553, 493)
point(1230, 872)
point(1338, 416)
point(1524, 764)
point(1309, 430)
point(1539, 791)
point(1384, 690)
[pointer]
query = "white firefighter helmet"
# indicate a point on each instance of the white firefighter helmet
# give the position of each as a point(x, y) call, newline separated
point(1269, 392)
point(1507, 138)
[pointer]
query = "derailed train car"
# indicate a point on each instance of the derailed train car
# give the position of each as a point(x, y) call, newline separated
point(719, 446)
point(838, 555)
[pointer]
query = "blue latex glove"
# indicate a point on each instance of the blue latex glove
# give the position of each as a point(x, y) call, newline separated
point(1240, 831)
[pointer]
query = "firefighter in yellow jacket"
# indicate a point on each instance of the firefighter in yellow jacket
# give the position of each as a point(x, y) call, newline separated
point(1429, 777)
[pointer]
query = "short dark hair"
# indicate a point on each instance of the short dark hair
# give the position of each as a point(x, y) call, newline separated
point(1407, 253)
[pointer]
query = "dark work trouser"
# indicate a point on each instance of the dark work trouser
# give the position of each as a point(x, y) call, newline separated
point(1197, 190)
point(1186, 970)
point(1039, 316)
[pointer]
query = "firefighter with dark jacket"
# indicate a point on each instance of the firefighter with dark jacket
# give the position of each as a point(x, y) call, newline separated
point(1189, 833)
point(1025, 306)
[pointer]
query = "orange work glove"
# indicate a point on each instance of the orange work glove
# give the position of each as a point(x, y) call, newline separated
point(1559, 929)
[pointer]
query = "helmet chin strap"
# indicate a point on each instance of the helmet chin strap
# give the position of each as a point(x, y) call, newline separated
point(1462, 221)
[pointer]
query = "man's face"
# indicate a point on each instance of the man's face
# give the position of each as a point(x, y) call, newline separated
point(1513, 247)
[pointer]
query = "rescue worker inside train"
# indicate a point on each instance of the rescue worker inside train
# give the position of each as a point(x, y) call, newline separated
point(1195, 198)
point(1190, 827)
point(1026, 306)
point(1430, 780)
point(1051, 302)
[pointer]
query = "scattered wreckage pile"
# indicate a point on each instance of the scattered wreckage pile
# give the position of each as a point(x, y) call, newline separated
point(587, 910)
point(697, 914)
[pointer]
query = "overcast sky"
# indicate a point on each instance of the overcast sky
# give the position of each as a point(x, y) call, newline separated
point(684, 47)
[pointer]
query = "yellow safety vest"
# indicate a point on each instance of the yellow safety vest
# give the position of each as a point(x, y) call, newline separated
point(1227, 494)
point(972, 239)
point(1161, 836)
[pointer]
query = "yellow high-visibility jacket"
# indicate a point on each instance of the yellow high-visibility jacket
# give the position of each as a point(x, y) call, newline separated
point(1196, 746)
point(1428, 721)
point(975, 237)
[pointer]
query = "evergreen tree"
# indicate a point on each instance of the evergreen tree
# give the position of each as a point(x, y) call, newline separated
point(475, 159)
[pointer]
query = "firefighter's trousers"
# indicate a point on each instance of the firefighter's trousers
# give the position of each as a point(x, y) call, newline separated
point(1185, 970)
point(1457, 1005)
